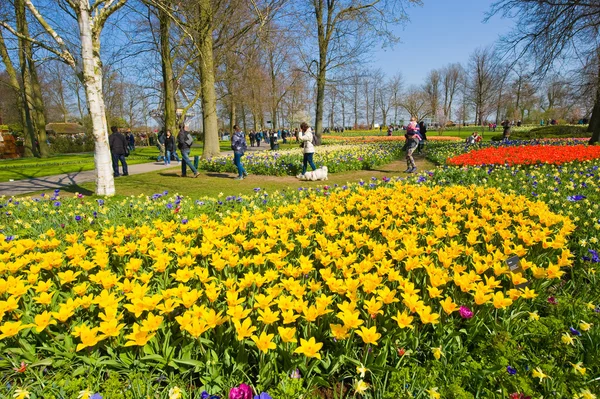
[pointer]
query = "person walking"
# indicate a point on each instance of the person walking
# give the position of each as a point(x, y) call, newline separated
point(118, 151)
point(238, 145)
point(160, 144)
point(184, 142)
point(423, 136)
point(306, 136)
point(505, 130)
point(252, 137)
point(412, 142)
point(130, 140)
point(170, 148)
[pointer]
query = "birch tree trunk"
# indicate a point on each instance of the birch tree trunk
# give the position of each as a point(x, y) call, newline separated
point(92, 82)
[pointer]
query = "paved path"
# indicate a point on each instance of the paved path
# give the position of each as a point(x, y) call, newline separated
point(26, 186)
point(22, 187)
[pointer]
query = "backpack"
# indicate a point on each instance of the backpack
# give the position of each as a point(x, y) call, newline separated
point(189, 140)
point(314, 138)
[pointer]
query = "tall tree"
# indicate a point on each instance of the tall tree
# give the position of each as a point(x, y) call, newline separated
point(416, 103)
point(91, 18)
point(432, 89)
point(550, 29)
point(344, 31)
point(482, 71)
point(451, 76)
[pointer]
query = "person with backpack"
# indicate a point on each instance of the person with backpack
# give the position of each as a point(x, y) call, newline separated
point(118, 151)
point(238, 145)
point(184, 142)
point(308, 141)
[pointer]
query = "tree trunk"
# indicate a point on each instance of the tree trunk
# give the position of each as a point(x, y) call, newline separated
point(13, 81)
point(594, 126)
point(320, 95)
point(33, 92)
point(29, 126)
point(232, 116)
point(92, 82)
point(343, 114)
point(169, 106)
point(244, 118)
point(367, 103)
point(355, 106)
point(374, 104)
point(207, 77)
point(38, 104)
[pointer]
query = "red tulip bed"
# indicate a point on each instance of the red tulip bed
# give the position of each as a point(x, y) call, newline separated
point(527, 155)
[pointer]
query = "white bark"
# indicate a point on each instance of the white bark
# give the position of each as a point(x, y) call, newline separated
point(92, 81)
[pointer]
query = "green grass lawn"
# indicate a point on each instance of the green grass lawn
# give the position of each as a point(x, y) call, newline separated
point(27, 168)
point(212, 184)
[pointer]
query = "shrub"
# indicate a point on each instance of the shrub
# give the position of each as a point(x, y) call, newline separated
point(71, 144)
point(556, 131)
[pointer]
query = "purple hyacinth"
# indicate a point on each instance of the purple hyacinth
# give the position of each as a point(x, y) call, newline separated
point(511, 370)
point(574, 331)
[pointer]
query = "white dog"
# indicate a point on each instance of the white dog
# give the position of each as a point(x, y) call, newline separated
point(319, 174)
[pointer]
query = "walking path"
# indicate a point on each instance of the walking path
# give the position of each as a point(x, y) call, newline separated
point(22, 187)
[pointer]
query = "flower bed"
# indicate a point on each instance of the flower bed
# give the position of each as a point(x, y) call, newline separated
point(359, 277)
point(441, 152)
point(526, 155)
point(337, 158)
point(398, 136)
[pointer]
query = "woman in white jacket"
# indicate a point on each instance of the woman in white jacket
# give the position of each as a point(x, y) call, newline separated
point(306, 137)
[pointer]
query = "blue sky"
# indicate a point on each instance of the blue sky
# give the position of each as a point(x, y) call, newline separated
point(440, 32)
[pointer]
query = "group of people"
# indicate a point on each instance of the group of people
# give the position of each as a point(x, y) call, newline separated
point(267, 135)
point(416, 135)
point(120, 146)
point(239, 146)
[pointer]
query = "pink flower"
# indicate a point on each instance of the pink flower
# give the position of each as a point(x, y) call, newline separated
point(465, 312)
point(243, 391)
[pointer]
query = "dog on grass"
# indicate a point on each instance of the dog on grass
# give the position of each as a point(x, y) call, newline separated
point(319, 174)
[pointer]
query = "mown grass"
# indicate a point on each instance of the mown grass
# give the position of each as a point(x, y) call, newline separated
point(28, 168)
point(212, 184)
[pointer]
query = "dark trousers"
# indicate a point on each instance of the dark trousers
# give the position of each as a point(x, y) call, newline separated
point(308, 159)
point(115, 161)
point(185, 160)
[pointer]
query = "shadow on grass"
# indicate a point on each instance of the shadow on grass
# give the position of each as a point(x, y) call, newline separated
point(75, 188)
point(221, 175)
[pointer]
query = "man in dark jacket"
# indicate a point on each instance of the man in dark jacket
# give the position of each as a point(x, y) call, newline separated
point(184, 143)
point(118, 150)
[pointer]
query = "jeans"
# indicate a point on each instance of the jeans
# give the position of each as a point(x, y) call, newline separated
point(185, 156)
point(308, 159)
point(411, 146)
point(115, 161)
point(237, 160)
point(168, 157)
